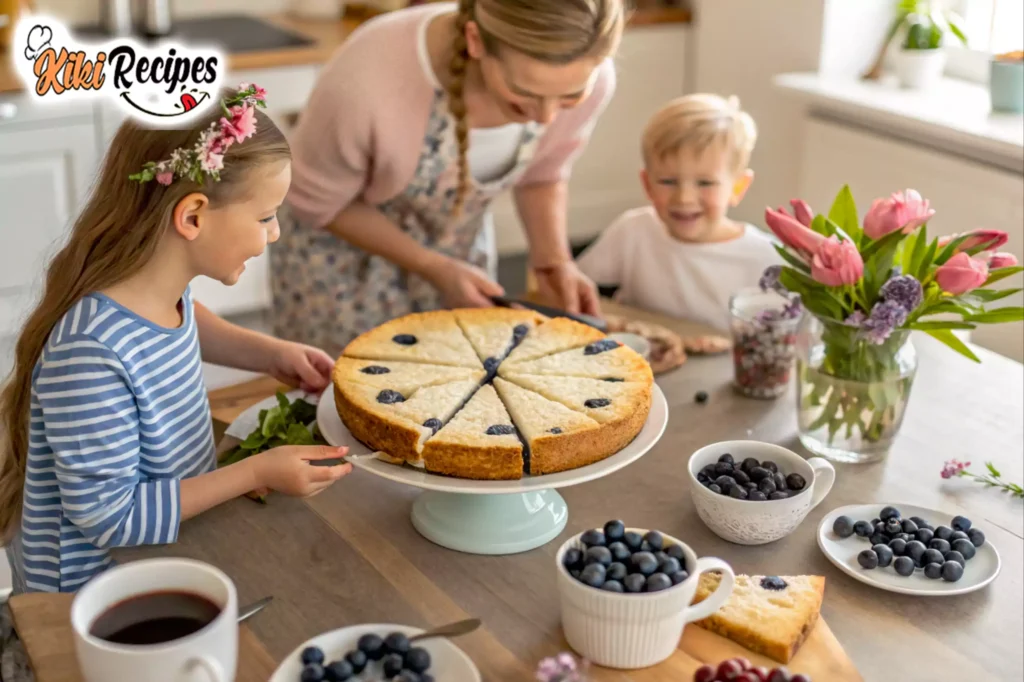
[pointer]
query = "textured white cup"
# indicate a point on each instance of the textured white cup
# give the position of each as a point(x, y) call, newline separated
point(629, 631)
point(748, 522)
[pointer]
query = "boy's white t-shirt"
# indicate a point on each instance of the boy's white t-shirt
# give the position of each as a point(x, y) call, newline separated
point(685, 280)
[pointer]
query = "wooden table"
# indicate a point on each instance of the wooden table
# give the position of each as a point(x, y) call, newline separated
point(351, 555)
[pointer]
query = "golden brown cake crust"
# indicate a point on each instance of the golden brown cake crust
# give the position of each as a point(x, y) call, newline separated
point(396, 438)
point(478, 463)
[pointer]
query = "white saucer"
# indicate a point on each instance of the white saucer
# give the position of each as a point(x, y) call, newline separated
point(448, 662)
point(980, 571)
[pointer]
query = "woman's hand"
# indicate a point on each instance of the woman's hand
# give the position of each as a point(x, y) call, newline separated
point(463, 285)
point(303, 366)
point(288, 469)
point(568, 287)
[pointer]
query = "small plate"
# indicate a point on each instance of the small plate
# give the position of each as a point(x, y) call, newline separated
point(979, 572)
point(634, 341)
point(448, 662)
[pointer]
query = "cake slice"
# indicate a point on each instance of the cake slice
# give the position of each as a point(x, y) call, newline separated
point(555, 335)
point(557, 438)
point(603, 359)
point(770, 615)
point(493, 332)
point(480, 442)
point(602, 401)
point(432, 337)
point(408, 422)
point(404, 377)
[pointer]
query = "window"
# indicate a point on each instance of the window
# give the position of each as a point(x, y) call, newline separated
point(992, 27)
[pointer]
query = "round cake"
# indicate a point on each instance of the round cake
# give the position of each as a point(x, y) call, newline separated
point(491, 393)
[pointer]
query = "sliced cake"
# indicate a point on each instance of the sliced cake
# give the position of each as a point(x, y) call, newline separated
point(602, 401)
point(386, 420)
point(554, 336)
point(604, 359)
point(494, 332)
point(770, 615)
point(432, 337)
point(480, 442)
point(404, 377)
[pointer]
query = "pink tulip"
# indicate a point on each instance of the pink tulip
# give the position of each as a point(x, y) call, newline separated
point(794, 235)
point(1001, 259)
point(905, 211)
point(165, 177)
point(961, 274)
point(990, 240)
point(802, 211)
point(837, 263)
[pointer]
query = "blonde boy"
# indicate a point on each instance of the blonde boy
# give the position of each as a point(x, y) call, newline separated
point(682, 255)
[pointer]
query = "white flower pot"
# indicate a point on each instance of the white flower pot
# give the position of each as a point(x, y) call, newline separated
point(919, 69)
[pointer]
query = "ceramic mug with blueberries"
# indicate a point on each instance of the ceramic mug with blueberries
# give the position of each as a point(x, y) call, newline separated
point(752, 493)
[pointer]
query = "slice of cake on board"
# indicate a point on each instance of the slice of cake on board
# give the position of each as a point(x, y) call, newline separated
point(558, 438)
point(385, 419)
point(433, 337)
point(554, 336)
point(604, 359)
point(480, 442)
point(404, 377)
point(770, 615)
point(494, 332)
point(602, 401)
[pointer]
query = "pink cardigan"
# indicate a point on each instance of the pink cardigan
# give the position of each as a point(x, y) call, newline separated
point(362, 130)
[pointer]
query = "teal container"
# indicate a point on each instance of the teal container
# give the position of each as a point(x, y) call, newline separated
point(1006, 86)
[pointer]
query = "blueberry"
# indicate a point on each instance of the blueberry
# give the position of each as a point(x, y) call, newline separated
point(593, 575)
point(750, 463)
point(676, 552)
point(727, 458)
point(340, 671)
point(427, 677)
point(635, 582)
point(614, 530)
point(593, 538)
point(375, 369)
point(601, 346)
point(944, 532)
point(633, 540)
point(780, 481)
point(961, 523)
point(356, 659)
point(613, 380)
point(392, 665)
point(976, 537)
point(701, 397)
point(879, 539)
point(655, 540)
point(644, 563)
point(770, 466)
point(617, 571)
point(773, 583)
point(709, 470)
point(921, 523)
point(952, 571)
point(868, 559)
point(598, 555)
point(756, 496)
point(312, 654)
point(619, 551)
point(741, 477)
point(679, 576)
point(389, 397)
point(575, 573)
point(779, 495)
point(863, 529)
point(669, 565)
point(889, 513)
point(885, 555)
point(491, 365)
point(904, 565)
point(658, 582)
point(953, 555)
point(434, 424)
point(941, 545)
point(724, 469)
point(715, 489)
point(396, 643)
point(909, 526)
point(750, 486)
point(925, 535)
point(759, 474)
point(573, 559)
point(407, 676)
point(738, 492)
point(404, 339)
point(906, 537)
point(898, 546)
point(915, 550)
point(958, 535)
point(417, 660)
point(519, 331)
point(893, 527)
point(314, 672)
point(725, 482)
point(879, 528)
point(660, 556)
point(931, 556)
point(965, 547)
point(767, 486)
point(500, 430)
point(372, 646)
point(613, 586)
point(933, 571)
point(593, 403)
point(795, 482)
point(555, 430)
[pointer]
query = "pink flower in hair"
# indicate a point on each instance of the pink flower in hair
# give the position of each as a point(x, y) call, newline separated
point(242, 124)
point(165, 177)
point(211, 161)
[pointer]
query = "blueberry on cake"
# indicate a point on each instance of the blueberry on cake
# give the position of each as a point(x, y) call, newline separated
point(433, 337)
point(553, 336)
point(404, 377)
point(602, 359)
point(493, 332)
point(603, 401)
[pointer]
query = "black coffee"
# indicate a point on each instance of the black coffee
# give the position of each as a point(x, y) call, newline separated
point(155, 618)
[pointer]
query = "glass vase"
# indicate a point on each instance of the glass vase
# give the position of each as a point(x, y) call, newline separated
point(851, 393)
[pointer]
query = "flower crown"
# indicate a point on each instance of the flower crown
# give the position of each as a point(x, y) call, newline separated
point(207, 156)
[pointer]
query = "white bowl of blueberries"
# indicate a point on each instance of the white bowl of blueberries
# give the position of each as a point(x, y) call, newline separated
point(752, 493)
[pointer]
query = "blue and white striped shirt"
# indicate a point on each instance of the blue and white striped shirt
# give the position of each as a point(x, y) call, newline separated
point(119, 415)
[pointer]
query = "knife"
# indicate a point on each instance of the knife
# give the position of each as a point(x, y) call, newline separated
point(251, 610)
point(590, 320)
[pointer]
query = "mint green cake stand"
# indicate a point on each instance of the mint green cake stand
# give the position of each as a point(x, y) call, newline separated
point(490, 517)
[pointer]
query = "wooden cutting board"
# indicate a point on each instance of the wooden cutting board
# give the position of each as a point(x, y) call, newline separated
point(43, 621)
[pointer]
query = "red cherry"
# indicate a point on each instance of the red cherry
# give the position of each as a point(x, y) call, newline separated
point(728, 670)
point(748, 676)
point(705, 673)
point(779, 675)
point(744, 663)
point(799, 678)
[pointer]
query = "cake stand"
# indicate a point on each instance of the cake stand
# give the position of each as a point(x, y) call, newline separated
point(490, 517)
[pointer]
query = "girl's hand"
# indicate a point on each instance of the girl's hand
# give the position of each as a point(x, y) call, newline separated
point(288, 470)
point(463, 285)
point(569, 288)
point(303, 366)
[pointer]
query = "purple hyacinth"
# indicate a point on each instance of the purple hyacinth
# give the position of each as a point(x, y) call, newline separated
point(885, 317)
point(856, 318)
point(770, 279)
point(903, 290)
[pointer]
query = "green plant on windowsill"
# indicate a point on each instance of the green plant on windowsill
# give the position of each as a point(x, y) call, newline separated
point(924, 25)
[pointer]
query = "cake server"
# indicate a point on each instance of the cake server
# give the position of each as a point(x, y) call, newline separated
point(590, 320)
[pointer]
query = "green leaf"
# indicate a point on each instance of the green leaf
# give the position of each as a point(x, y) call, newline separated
point(997, 316)
point(992, 469)
point(906, 253)
point(950, 249)
point(822, 226)
point(926, 261)
point(282, 400)
point(878, 267)
point(298, 434)
point(254, 440)
point(839, 232)
point(956, 26)
point(844, 214)
point(917, 255)
point(946, 306)
point(950, 339)
point(276, 422)
point(925, 326)
point(1002, 273)
point(262, 416)
point(989, 295)
point(792, 260)
point(876, 245)
point(303, 412)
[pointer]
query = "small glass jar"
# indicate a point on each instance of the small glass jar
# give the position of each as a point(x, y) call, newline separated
point(764, 331)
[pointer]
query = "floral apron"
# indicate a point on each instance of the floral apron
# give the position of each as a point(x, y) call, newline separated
point(327, 291)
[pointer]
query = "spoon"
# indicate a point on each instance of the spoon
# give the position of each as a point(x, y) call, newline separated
point(462, 627)
point(250, 610)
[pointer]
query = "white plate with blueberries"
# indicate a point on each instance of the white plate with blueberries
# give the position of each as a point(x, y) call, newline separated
point(907, 549)
point(362, 653)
